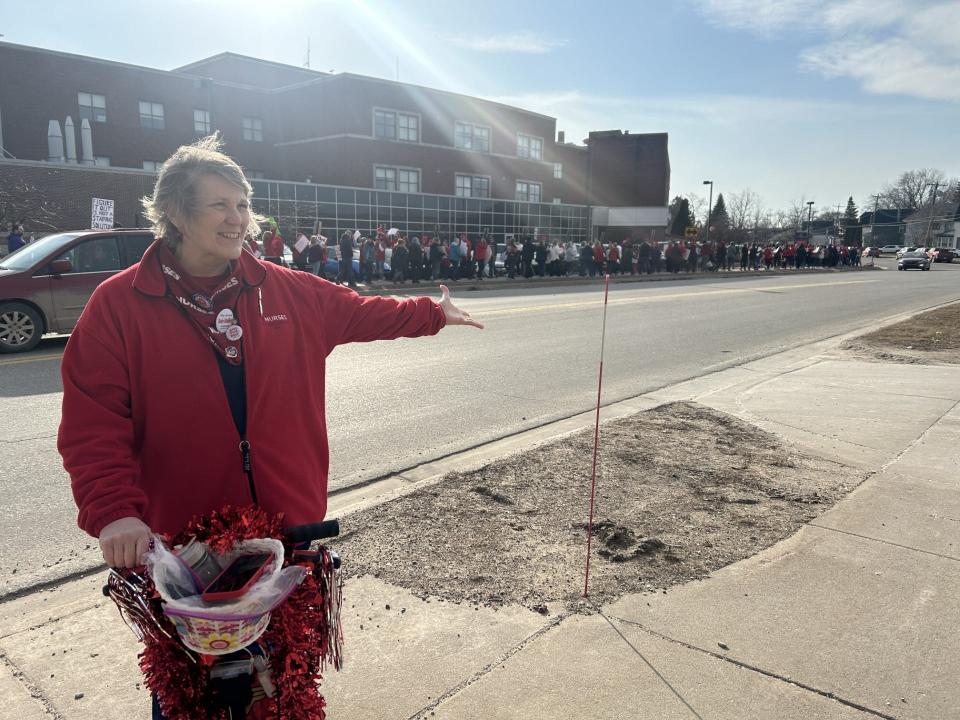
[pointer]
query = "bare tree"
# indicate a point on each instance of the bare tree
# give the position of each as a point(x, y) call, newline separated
point(796, 214)
point(912, 189)
point(698, 207)
point(23, 202)
point(740, 208)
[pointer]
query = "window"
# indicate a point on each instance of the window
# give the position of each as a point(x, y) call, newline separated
point(528, 191)
point(385, 178)
point(405, 180)
point(151, 115)
point(252, 129)
point(134, 246)
point(408, 128)
point(152, 165)
point(477, 186)
point(92, 107)
point(391, 125)
point(408, 181)
point(201, 121)
point(557, 201)
point(92, 256)
point(101, 160)
point(472, 137)
point(558, 171)
point(255, 174)
point(529, 147)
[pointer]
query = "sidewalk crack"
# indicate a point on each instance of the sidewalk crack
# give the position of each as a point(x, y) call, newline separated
point(426, 710)
point(35, 692)
point(650, 665)
point(884, 542)
point(753, 668)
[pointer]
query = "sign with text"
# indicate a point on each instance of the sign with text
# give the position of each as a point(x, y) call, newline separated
point(101, 216)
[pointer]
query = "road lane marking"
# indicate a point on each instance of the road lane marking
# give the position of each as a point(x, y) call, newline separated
point(658, 298)
point(32, 358)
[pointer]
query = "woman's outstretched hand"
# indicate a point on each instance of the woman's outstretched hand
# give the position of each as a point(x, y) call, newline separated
point(454, 315)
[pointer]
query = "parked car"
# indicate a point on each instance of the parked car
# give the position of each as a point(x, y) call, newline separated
point(45, 285)
point(909, 248)
point(914, 259)
point(888, 250)
point(871, 252)
point(942, 255)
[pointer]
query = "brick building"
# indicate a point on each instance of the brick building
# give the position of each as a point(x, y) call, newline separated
point(347, 150)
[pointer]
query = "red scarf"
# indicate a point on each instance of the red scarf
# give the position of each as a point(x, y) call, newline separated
point(209, 303)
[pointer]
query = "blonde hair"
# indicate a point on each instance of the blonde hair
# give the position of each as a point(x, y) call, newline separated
point(175, 193)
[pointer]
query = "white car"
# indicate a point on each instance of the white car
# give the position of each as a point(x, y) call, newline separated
point(890, 249)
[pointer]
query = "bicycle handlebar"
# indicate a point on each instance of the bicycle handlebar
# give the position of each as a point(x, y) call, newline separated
point(313, 531)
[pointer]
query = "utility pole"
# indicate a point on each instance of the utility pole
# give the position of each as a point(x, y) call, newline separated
point(836, 222)
point(709, 208)
point(933, 205)
point(307, 63)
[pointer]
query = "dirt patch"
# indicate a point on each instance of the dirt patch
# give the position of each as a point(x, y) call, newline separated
point(932, 337)
point(682, 490)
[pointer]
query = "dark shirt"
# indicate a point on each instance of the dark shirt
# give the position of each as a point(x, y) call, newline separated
point(15, 242)
point(346, 248)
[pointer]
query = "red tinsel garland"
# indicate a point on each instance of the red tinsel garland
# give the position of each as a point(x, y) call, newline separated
point(303, 632)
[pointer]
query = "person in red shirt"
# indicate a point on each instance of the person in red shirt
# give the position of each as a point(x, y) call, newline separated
point(273, 246)
point(613, 259)
point(598, 259)
point(480, 252)
point(185, 382)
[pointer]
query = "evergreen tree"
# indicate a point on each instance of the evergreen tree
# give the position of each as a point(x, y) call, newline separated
point(851, 216)
point(682, 219)
point(719, 220)
point(851, 224)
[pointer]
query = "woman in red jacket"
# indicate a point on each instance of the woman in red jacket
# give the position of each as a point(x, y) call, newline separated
point(185, 370)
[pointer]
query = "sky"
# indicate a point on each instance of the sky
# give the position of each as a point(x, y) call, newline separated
point(795, 100)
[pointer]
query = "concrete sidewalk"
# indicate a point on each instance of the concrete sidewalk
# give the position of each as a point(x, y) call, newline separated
point(855, 616)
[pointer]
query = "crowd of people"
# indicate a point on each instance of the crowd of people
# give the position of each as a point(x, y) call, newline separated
point(398, 258)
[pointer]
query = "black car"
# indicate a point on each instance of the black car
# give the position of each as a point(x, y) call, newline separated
point(914, 259)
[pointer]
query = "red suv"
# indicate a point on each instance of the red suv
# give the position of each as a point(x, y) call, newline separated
point(45, 285)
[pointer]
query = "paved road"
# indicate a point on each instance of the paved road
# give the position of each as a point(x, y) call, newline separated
point(391, 405)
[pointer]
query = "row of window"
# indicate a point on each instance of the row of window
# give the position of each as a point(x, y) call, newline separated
point(387, 125)
point(295, 205)
point(93, 107)
point(405, 127)
point(407, 180)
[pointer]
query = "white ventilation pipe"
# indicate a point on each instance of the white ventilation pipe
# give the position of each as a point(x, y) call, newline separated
point(54, 142)
point(86, 143)
point(70, 136)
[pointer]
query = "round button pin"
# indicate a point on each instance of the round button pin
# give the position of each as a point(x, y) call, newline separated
point(224, 319)
point(234, 332)
point(231, 352)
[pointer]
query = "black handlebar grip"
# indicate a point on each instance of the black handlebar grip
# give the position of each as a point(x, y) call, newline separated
point(313, 531)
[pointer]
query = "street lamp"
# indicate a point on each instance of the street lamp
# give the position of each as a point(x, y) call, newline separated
point(709, 208)
point(809, 215)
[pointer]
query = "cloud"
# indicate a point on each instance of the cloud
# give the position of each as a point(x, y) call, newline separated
point(888, 67)
point(902, 47)
point(763, 17)
point(521, 42)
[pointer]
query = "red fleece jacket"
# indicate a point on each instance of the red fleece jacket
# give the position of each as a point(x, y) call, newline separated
point(146, 429)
